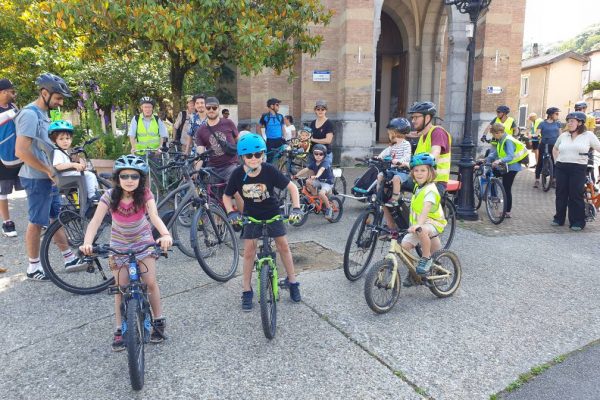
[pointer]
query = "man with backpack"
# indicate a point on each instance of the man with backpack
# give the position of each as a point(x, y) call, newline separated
point(183, 120)
point(37, 174)
point(146, 130)
point(274, 126)
point(9, 163)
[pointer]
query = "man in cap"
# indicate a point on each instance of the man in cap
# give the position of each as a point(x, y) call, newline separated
point(274, 125)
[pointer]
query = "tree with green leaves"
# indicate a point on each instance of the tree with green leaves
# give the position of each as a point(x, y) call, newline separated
point(197, 33)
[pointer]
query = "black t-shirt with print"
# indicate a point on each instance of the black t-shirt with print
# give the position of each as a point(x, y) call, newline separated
point(257, 192)
point(322, 131)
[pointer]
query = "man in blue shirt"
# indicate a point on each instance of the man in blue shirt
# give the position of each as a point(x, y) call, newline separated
point(274, 126)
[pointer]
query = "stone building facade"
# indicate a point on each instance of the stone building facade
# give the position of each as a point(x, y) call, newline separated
point(379, 56)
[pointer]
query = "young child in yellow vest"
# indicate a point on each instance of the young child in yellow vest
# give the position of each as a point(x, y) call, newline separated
point(426, 213)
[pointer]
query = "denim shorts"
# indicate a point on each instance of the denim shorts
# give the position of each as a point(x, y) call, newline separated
point(43, 200)
point(7, 185)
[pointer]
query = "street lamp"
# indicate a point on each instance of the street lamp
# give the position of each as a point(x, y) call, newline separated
point(466, 204)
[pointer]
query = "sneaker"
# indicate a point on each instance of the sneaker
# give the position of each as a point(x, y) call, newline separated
point(536, 184)
point(408, 281)
point(247, 300)
point(556, 223)
point(8, 229)
point(158, 330)
point(329, 214)
point(295, 291)
point(38, 276)
point(576, 228)
point(424, 265)
point(507, 215)
point(75, 265)
point(118, 343)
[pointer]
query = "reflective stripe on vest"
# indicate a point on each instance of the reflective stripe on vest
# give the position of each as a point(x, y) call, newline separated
point(443, 160)
point(507, 124)
point(520, 149)
point(147, 139)
point(435, 216)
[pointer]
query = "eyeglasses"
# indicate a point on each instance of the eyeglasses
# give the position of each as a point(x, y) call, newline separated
point(255, 155)
point(133, 177)
point(416, 116)
point(318, 153)
point(214, 108)
point(320, 109)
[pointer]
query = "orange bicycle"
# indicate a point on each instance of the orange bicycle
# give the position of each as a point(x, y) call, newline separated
point(310, 202)
point(591, 196)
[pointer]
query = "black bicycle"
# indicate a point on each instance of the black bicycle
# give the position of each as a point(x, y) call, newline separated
point(547, 169)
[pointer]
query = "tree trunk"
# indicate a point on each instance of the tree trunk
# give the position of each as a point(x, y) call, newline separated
point(177, 75)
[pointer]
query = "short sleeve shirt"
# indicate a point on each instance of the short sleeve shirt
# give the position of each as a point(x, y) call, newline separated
point(5, 172)
point(550, 131)
point(439, 137)
point(272, 124)
point(225, 130)
point(162, 129)
point(33, 122)
point(60, 157)
point(257, 192)
point(322, 131)
point(327, 175)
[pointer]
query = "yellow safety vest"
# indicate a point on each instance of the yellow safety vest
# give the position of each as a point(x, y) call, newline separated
point(443, 161)
point(535, 125)
point(507, 124)
point(149, 139)
point(520, 149)
point(590, 123)
point(435, 216)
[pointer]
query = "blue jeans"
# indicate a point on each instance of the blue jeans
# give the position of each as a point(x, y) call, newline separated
point(43, 200)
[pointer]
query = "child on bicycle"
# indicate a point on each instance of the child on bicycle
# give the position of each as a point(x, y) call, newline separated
point(399, 151)
point(303, 141)
point(255, 180)
point(321, 179)
point(426, 212)
point(131, 204)
point(61, 134)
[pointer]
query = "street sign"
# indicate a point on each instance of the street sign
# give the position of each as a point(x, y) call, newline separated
point(494, 90)
point(321, 76)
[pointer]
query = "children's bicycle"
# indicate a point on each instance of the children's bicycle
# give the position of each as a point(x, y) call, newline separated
point(487, 187)
point(135, 310)
point(382, 281)
point(312, 203)
point(267, 276)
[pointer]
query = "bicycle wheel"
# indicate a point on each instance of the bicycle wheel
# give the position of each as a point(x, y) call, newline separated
point(339, 187)
point(268, 302)
point(477, 191)
point(134, 341)
point(547, 170)
point(361, 244)
point(304, 206)
point(446, 273)
point(495, 201)
point(382, 290)
point(447, 236)
point(338, 208)
point(181, 229)
point(214, 242)
point(70, 229)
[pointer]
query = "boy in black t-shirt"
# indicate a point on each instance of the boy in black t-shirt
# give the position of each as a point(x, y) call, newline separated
point(321, 178)
point(255, 181)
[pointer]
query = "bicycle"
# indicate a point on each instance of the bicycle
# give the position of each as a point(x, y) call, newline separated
point(135, 310)
point(268, 283)
point(547, 169)
point(487, 187)
point(310, 202)
point(161, 180)
point(591, 192)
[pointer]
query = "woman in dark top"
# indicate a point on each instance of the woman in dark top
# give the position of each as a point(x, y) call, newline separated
point(549, 131)
point(322, 129)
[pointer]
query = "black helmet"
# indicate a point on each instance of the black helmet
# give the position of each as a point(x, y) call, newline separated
point(53, 84)
point(552, 110)
point(503, 109)
point(273, 101)
point(580, 105)
point(148, 100)
point(578, 115)
point(401, 125)
point(423, 107)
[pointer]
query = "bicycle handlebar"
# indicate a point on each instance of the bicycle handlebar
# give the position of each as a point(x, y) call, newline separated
point(105, 249)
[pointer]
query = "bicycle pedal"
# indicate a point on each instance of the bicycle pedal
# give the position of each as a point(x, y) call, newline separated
point(113, 290)
point(283, 283)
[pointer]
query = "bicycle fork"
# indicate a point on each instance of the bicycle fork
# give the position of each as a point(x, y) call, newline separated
point(267, 262)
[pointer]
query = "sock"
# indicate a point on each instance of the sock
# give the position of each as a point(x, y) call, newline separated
point(68, 255)
point(34, 265)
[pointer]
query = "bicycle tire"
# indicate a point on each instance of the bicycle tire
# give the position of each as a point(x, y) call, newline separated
point(377, 282)
point(134, 341)
point(495, 206)
point(304, 206)
point(590, 212)
point(268, 302)
point(477, 191)
point(447, 235)
point(436, 285)
point(365, 244)
point(340, 187)
point(181, 229)
point(94, 278)
point(338, 209)
point(215, 243)
point(546, 174)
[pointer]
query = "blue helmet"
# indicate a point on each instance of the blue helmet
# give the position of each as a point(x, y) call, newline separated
point(251, 143)
point(578, 115)
point(130, 161)
point(422, 159)
point(60, 126)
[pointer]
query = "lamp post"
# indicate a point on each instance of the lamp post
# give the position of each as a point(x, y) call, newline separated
point(466, 204)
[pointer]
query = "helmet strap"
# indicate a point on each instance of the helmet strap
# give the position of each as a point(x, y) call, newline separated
point(249, 170)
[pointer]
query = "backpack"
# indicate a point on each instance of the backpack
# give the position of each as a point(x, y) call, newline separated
point(8, 138)
point(266, 118)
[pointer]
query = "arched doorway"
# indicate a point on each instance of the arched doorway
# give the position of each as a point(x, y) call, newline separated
point(390, 78)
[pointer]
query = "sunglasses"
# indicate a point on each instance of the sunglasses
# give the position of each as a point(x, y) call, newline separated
point(318, 153)
point(214, 108)
point(258, 155)
point(320, 109)
point(133, 177)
